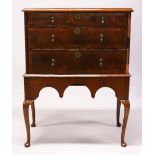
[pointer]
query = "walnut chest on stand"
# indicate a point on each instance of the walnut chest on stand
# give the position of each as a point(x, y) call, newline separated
point(87, 47)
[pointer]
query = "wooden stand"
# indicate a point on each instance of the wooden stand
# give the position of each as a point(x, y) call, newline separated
point(34, 83)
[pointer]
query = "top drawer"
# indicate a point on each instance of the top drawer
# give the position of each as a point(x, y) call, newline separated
point(47, 19)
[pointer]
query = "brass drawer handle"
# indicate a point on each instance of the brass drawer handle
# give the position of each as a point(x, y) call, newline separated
point(77, 16)
point(52, 38)
point(77, 54)
point(101, 62)
point(101, 38)
point(53, 62)
point(52, 19)
point(102, 20)
point(77, 30)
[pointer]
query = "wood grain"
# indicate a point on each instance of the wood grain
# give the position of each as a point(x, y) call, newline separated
point(53, 19)
point(67, 62)
point(78, 10)
point(65, 37)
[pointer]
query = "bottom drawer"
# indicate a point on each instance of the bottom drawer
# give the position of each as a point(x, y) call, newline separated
point(76, 62)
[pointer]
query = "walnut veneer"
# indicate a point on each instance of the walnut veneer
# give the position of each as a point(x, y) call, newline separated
point(66, 47)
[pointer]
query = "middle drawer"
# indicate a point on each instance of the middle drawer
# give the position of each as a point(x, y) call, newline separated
point(76, 61)
point(77, 37)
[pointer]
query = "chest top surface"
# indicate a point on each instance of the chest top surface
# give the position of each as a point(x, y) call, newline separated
point(78, 10)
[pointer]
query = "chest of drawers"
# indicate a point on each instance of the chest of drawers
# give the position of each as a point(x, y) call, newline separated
point(77, 47)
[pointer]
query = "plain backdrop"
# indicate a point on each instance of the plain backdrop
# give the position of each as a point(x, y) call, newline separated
point(49, 105)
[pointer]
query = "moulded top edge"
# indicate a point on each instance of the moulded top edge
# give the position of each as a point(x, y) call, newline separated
point(77, 75)
point(77, 10)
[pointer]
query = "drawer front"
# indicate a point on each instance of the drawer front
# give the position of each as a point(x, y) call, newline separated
point(76, 61)
point(75, 18)
point(77, 37)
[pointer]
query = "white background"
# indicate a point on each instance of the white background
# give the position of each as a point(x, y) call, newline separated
point(148, 85)
point(71, 125)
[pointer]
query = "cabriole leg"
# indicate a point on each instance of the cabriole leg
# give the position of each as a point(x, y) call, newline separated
point(126, 104)
point(118, 112)
point(26, 118)
point(33, 115)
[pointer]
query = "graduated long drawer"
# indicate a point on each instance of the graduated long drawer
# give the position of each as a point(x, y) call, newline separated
point(76, 61)
point(77, 37)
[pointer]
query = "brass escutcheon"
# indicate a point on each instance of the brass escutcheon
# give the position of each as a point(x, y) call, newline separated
point(77, 54)
point(77, 30)
point(77, 16)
